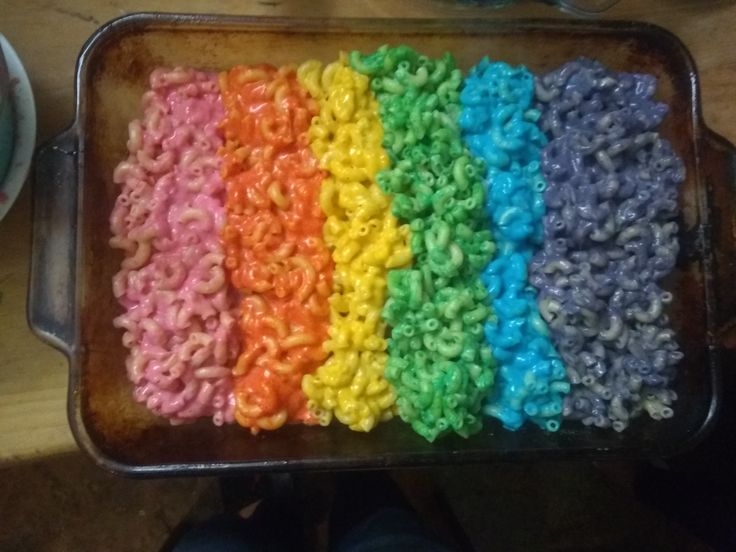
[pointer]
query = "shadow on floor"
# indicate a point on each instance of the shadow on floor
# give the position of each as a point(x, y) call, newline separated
point(66, 503)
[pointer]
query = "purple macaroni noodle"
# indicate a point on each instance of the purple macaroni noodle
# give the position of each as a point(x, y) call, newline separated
point(612, 187)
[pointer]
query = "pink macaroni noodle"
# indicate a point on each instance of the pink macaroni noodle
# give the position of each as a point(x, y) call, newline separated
point(180, 318)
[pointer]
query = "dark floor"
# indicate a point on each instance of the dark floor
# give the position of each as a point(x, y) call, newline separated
point(51, 505)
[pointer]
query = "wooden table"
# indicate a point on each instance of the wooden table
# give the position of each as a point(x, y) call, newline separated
point(48, 36)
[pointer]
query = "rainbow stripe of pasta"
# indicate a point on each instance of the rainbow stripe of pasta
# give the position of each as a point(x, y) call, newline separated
point(499, 126)
point(273, 239)
point(179, 320)
point(439, 363)
point(366, 240)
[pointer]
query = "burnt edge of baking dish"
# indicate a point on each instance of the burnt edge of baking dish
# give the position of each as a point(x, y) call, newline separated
point(68, 343)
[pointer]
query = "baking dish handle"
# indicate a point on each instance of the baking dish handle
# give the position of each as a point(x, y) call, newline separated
point(718, 162)
point(51, 288)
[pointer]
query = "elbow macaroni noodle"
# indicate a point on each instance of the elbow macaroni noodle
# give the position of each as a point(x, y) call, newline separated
point(303, 244)
point(366, 241)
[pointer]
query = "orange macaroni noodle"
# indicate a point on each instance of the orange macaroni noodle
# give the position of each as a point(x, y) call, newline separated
point(366, 240)
point(275, 253)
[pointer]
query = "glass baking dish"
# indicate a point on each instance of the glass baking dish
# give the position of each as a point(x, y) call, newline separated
point(71, 305)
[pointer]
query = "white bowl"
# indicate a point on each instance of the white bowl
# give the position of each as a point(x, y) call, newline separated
point(7, 120)
point(23, 125)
